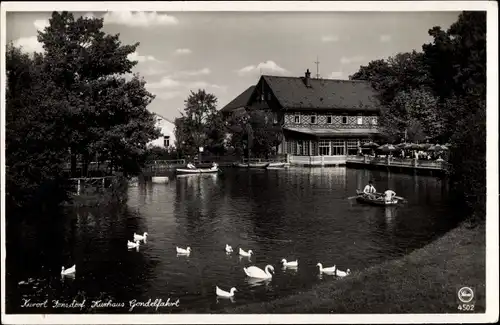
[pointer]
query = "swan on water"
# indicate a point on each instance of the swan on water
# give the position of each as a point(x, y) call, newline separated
point(222, 293)
point(290, 264)
point(229, 249)
point(342, 273)
point(71, 270)
point(258, 273)
point(132, 244)
point(139, 237)
point(183, 251)
point(326, 270)
point(243, 253)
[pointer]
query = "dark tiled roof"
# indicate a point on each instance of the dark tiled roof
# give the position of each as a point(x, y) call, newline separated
point(240, 101)
point(292, 93)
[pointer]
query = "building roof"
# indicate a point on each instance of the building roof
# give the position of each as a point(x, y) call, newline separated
point(164, 118)
point(333, 132)
point(240, 101)
point(292, 93)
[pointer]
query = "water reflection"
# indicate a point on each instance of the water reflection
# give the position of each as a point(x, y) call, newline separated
point(299, 213)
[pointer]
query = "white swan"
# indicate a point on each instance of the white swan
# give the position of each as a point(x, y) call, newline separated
point(326, 270)
point(342, 273)
point(243, 253)
point(139, 237)
point(183, 251)
point(71, 270)
point(222, 293)
point(290, 264)
point(229, 249)
point(132, 244)
point(258, 273)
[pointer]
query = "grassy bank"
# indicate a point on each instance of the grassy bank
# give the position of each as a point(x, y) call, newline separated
point(425, 281)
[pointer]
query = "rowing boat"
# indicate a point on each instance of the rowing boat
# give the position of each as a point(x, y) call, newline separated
point(197, 170)
point(276, 165)
point(378, 201)
point(241, 165)
point(258, 165)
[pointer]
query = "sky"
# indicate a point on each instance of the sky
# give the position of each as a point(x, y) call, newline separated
point(226, 52)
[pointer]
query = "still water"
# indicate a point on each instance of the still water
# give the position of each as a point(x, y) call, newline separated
point(299, 213)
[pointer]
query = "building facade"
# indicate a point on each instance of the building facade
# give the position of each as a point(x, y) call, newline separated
point(167, 128)
point(323, 120)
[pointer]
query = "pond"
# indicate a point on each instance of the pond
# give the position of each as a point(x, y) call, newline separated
point(297, 213)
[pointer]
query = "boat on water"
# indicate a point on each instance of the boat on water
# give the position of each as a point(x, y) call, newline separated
point(197, 170)
point(377, 201)
point(253, 165)
point(241, 165)
point(276, 165)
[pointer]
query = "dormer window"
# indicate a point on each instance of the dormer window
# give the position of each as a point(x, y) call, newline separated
point(359, 120)
point(344, 119)
point(313, 119)
point(374, 120)
point(329, 119)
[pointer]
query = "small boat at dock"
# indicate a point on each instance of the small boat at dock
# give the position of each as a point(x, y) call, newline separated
point(379, 200)
point(252, 165)
point(276, 165)
point(197, 170)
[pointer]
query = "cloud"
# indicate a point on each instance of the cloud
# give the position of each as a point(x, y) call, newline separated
point(169, 94)
point(29, 44)
point(40, 24)
point(152, 71)
point(354, 59)
point(165, 82)
point(139, 19)
point(329, 38)
point(385, 38)
point(183, 51)
point(335, 75)
point(203, 85)
point(141, 58)
point(265, 67)
point(192, 73)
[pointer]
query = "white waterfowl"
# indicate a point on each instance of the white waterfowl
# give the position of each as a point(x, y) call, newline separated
point(342, 273)
point(229, 249)
point(247, 254)
point(132, 244)
point(222, 293)
point(69, 271)
point(326, 270)
point(258, 273)
point(183, 251)
point(290, 264)
point(139, 237)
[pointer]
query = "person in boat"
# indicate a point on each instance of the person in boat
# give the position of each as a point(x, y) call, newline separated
point(214, 165)
point(191, 166)
point(389, 196)
point(370, 190)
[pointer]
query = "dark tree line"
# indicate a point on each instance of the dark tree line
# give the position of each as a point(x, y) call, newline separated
point(440, 94)
point(73, 104)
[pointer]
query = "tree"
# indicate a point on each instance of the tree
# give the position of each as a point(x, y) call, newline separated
point(87, 63)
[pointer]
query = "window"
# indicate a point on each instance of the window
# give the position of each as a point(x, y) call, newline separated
point(291, 147)
point(313, 119)
point(324, 147)
point(344, 119)
point(338, 148)
point(306, 148)
point(359, 120)
point(300, 148)
point(329, 119)
point(352, 147)
point(166, 141)
point(296, 118)
point(374, 120)
point(268, 96)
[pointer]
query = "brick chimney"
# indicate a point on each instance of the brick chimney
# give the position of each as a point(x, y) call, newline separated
point(307, 79)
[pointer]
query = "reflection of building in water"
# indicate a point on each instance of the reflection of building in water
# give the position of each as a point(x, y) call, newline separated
point(390, 215)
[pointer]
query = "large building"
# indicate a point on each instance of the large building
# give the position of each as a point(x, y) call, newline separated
point(323, 120)
point(167, 138)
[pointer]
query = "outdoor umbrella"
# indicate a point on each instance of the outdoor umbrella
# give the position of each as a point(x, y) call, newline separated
point(370, 144)
point(387, 148)
point(425, 146)
point(413, 146)
point(438, 147)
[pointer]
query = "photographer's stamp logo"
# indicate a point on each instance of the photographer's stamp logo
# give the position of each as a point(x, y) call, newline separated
point(465, 294)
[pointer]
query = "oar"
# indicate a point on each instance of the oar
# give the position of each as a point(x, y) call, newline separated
point(400, 198)
point(352, 197)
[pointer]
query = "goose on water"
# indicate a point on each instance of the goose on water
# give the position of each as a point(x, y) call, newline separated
point(222, 293)
point(229, 249)
point(183, 251)
point(139, 237)
point(342, 273)
point(258, 273)
point(290, 264)
point(132, 244)
point(243, 253)
point(71, 270)
point(326, 270)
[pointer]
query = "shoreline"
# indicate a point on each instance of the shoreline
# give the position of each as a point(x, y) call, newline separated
point(424, 281)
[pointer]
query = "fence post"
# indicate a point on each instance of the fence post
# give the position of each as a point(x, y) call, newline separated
point(78, 188)
point(103, 183)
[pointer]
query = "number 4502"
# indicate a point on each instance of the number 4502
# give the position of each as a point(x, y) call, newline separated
point(466, 307)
